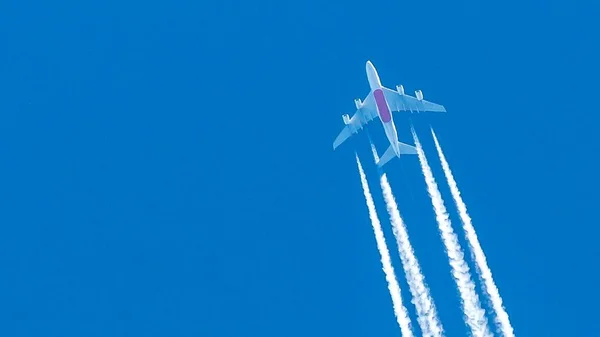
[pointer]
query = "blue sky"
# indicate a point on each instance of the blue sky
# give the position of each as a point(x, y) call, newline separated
point(167, 166)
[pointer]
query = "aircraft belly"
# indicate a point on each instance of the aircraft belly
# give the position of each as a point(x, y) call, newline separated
point(382, 107)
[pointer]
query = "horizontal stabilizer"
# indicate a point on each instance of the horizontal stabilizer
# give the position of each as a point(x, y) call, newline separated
point(390, 154)
point(407, 149)
point(387, 156)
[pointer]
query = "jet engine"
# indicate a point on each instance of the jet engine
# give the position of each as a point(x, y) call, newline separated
point(419, 95)
point(400, 89)
point(358, 103)
point(346, 119)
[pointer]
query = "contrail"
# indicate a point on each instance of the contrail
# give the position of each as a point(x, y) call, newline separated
point(421, 298)
point(474, 314)
point(393, 286)
point(485, 273)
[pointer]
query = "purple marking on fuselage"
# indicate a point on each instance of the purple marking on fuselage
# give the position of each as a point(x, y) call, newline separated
point(382, 107)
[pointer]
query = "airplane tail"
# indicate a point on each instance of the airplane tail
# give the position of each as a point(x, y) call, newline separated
point(389, 153)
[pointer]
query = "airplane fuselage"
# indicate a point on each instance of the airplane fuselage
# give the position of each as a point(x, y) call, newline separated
point(381, 102)
point(383, 108)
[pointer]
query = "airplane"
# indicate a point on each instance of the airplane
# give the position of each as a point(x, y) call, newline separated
point(380, 102)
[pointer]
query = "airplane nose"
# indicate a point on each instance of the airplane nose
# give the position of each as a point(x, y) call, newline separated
point(372, 76)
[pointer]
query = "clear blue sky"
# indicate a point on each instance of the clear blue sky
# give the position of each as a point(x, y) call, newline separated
point(167, 166)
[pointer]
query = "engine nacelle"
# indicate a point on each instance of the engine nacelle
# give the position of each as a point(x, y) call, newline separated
point(346, 119)
point(419, 95)
point(358, 103)
point(400, 89)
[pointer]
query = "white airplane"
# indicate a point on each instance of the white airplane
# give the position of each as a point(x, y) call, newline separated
point(380, 102)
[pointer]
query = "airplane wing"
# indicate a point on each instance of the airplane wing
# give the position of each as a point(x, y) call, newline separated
point(361, 117)
point(403, 102)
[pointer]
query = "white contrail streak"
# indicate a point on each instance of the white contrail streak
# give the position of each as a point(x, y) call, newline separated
point(421, 298)
point(474, 314)
point(393, 286)
point(485, 273)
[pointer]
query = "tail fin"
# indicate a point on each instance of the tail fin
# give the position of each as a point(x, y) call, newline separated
point(389, 153)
